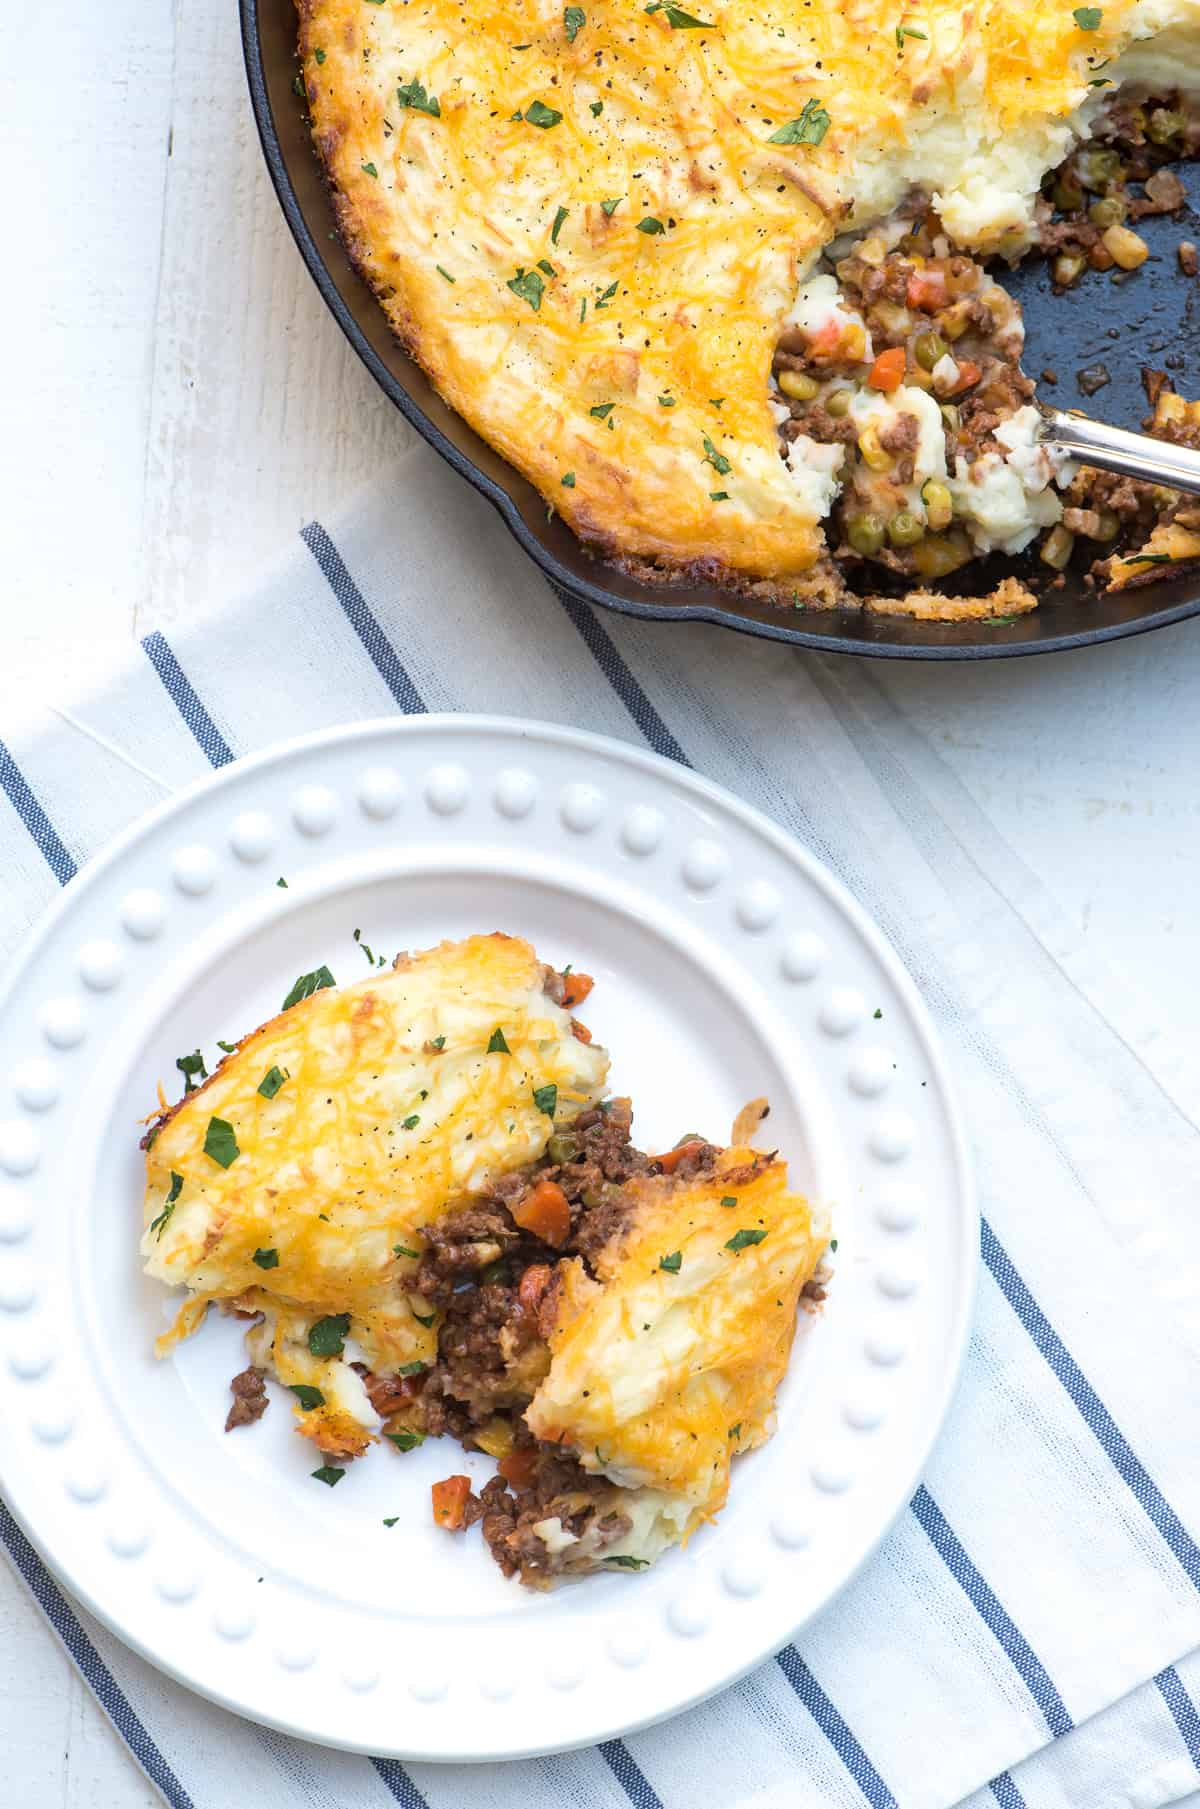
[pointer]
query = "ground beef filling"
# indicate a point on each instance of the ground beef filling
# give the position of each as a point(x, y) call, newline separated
point(250, 1399)
point(936, 322)
point(495, 1283)
point(1088, 203)
point(961, 336)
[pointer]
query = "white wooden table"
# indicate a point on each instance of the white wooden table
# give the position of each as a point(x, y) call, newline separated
point(177, 402)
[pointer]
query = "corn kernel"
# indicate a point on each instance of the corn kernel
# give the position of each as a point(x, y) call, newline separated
point(873, 453)
point(1127, 249)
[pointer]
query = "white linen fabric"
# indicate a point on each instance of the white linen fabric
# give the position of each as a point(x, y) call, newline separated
point(1029, 1633)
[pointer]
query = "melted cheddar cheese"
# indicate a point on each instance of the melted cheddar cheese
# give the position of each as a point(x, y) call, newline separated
point(665, 1366)
point(355, 1118)
point(588, 222)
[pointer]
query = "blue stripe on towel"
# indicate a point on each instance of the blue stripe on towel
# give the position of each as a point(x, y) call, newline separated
point(400, 1784)
point(600, 645)
point(1099, 1420)
point(96, 1674)
point(983, 1598)
point(362, 619)
point(20, 795)
point(179, 689)
point(1183, 1710)
point(835, 1730)
point(1006, 1792)
point(629, 1775)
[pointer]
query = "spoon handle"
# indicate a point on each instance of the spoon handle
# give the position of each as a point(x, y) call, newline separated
point(1128, 454)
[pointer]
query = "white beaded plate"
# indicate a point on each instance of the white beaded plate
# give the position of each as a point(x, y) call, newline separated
point(728, 964)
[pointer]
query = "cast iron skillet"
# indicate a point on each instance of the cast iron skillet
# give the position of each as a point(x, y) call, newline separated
point(1153, 319)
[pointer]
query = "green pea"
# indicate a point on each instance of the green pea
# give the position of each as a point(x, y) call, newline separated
point(905, 528)
point(865, 534)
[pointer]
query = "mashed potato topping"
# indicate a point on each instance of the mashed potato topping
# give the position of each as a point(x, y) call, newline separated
point(590, 222)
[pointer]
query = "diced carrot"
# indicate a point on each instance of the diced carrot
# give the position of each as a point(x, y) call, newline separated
point(576, 988)
point(827, 338)
point(580, 1032)
point(518, 1467)
point(670, 1159)
point(533, 1285)
point(927, 290)
point(450, 1501)
point(887, 372)
point(969, 373)
point(544, 1211)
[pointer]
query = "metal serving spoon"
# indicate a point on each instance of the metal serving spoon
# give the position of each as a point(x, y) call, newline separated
point(1113, 449)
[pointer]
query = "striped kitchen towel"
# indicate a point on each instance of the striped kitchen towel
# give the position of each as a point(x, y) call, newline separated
point(1029, 1633)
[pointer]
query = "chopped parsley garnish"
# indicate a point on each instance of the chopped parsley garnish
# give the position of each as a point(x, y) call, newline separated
point(327, 1338)
point(595, 108)
point(158, 1225)
point(650, 225)
point(405, 1441)
point(666, 401)
point(602, 410)
point(741, 1239)
point(404, 1250)
point(833, 1244)
point(568, 480)
point(319, 55)
point(374, 960)
point(331, 1473)
point(546, 1098)
point(529, 286)
point(677, 19)
point(266, 1259)
point(1087, 17)
point(298, 87)
point(809, 128)
point(413, 1369)
point(445, 273)
point(438, 1042)
point(412, 1121)
point(559, 218)
point(717, 460)
point(1149, 559)
point(878, 1012)
point(189, 1066)
point(537, 113)
point(602, 301)
point(412, 94)
point(574, 19)
point(718, 496)
point(671, 1263)
point(425, 1319)
point(736, 1430)
point(628, 1563)
point(307, 985)
point(271, 1082)
point(391, 1519)
point(228, 1047)
point(547, 267)
point(729, 1199)
point(610, 206)
point(369, 169)
point(220, 1142)
point(282, 882)
point(909, 31)
point(1097, 81)
point(307, 1396)
point(497, 1044)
